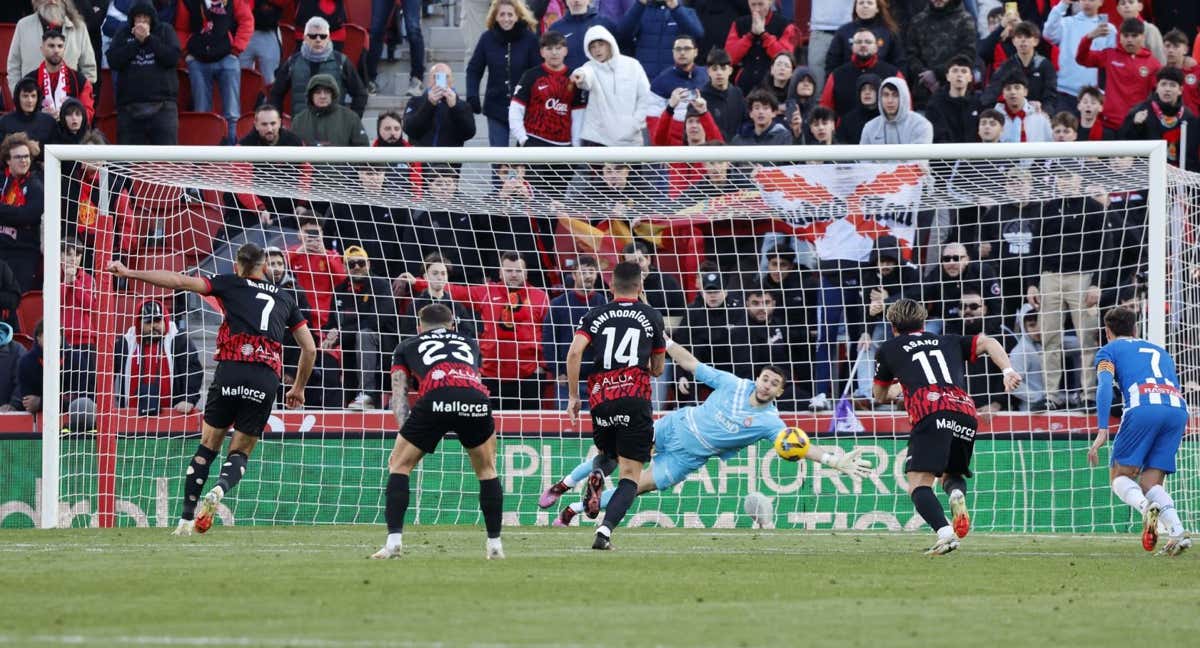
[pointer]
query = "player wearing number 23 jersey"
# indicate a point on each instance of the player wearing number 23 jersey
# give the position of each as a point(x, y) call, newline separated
point(450, 395)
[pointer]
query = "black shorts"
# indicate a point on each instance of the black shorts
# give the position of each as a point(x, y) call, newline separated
point(624, 428)
point(241, 396)
point(942, 443)
point(465, 412)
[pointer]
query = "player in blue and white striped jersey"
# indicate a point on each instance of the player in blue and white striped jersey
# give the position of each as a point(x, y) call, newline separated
point(1152, 425)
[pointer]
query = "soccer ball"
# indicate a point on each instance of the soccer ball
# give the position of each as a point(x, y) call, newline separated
point(792, 444)
point(760, 510)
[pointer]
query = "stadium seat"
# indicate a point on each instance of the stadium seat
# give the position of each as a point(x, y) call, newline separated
point(184, 98)
point(358, 12)
point(245, 123)
point(106, 103)
point(8, 99)
point(190, 232)
point(29, 311)
point(6, 37)
point(201, 129)
point(356, 42)
point(287, 35)
point(107, 124)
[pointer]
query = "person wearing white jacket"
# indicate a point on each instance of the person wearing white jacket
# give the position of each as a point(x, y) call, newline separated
point(619, 97)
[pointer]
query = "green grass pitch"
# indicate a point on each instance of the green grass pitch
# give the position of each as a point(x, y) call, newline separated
point(312, 587)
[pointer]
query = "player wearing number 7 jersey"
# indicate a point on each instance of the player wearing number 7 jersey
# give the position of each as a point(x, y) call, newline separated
point(249, 358)
point(1152, 426)
point(930, 369)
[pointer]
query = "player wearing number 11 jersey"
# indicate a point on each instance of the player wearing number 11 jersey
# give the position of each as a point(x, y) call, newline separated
point(249, 357)
point(627, 343)
point(930, 370)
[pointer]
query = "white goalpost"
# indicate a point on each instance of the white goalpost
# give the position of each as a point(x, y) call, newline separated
point(758, 255)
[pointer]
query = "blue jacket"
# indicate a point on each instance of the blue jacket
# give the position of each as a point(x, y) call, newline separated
point(673, 77)
point(566, 311)
point(505, 56)
point(653, 30)
point(573, 28)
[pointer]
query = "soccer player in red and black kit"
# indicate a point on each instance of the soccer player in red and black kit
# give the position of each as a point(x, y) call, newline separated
point(930, 371)
point(450, 398)
point(626, 339)
point(249, 359)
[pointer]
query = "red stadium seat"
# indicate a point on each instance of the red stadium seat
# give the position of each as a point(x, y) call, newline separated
point(201, 129)
point(356, 42)
point(358, 12)
point(8, 98)
point(29, 311)
point(106, 103)
point(287, 34)
point(23, 339)
point(107, 124)
point(245, 123)
point(6, 37)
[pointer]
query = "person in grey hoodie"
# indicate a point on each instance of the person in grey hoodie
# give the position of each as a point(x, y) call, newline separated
point(1026, 359)
point(896, 123)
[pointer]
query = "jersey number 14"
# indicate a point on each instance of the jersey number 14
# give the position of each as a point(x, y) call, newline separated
point(623, 353)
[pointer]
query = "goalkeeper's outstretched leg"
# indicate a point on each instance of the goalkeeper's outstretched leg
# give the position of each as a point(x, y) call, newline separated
point(605, 464)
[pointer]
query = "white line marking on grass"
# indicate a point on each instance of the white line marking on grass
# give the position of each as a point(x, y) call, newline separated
point(282, 642)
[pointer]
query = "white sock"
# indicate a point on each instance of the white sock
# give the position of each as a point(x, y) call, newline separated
point(569, 482)
point(604, 531)
point(494, 543)
point(1167, 513)
point(577, 507)
point(394, 541)
point(946, 533)
point(1129, 492)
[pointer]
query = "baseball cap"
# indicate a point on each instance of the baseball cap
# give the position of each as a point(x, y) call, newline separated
point(356, 251)
point(710, 281)
point(151, 310)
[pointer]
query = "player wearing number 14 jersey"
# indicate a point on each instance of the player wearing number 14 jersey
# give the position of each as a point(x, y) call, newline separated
point(628, 347)
point(930, 371)
point(249, 357)
point(450, 398)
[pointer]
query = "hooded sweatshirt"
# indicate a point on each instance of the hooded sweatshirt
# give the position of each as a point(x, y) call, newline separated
point(1067, 32)
point(171, 366)
point(619, 97)
point(62, 134)
point(37, 124)
point(147, 69)
point(905, 127)
point(333, 125)
point(850, 126)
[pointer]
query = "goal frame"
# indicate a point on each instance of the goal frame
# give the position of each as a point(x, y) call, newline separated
point(55, 156)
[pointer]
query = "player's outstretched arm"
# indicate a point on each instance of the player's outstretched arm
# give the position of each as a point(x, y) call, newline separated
point(574, 360)
point(848, 463)
point(160, 278)
point(682, 357)
point(400, 396)
point(308, 357)
point(993, 349)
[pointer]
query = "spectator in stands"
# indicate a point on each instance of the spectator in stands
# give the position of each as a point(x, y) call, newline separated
point(317, 56)
point(985, 385)
point(1009, 236)
point(897, 122)
point(326, 122)
point(157, 368)
point(318, 270)
point(505, 51)
point(779, 80)
point(652, 30)
point(73, 123)
point(333, 12)
point(841, 86)
point(114, 16)
point(1027, 360)
point(850, 126)
point(1038, 71)
point(264, 210)
point(762, 129)
point(996, 47)
point(25, 52)
point(10, 358)
point(574, 27)
point(1064, 127)
point(662, 291)
point(381, 12)
point(715, 17)
point(935, 36)
point(801, 94)
point(724, 100)
point(78, 294)
point(324, 387)
point(215, 33)
point(27, 117)
point(1129, 70)
point(440, 117)
point(1068, 32)
point(21, 205)
point(1072, 232)
point(1022, 122)
point(263, 51)
point(766, 338)
point(685, 74)
point(516, 223)
point(56, 81)
point(513, 313)
point(886, 278)
point(822, 127)
point(566, 311)
point(1163, 116)
point(945, 284)
point(707, 327)
point(545, 103)
point(795, 292)
point(1175, 43)
point(370, 223)
point(826, 18)
point(29, 374)
point(10, 297)
point(365, 325)
point(694, 129)
point(619, 97)
point(437, 277)
point(954, 108)
point(876, 16)
point(458, 237)
point(1091, 116)
point(145, 54)
point(268, 129)
point(389, 128)
point(755, 40)
point(1132, 10)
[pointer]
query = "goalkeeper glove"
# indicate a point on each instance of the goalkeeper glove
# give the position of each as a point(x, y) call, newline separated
point(849, 463)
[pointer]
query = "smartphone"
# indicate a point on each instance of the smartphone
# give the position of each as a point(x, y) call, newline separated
point(1011, 8)
point(439, 79)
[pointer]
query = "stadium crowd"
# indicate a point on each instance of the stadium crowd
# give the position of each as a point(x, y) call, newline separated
point(612, 73)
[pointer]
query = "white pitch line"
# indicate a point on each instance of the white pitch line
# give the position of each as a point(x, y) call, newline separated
point(282, 642)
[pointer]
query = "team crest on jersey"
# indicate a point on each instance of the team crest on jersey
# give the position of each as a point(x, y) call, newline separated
point(748, 422)
point(1144, 71)
point(933, 396)
point(437, 374)
point(1190, 79)
point(247, 349)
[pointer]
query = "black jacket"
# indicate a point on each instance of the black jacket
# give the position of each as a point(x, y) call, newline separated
point(10, 389)
point(463, 317)
point(954, 119)
point(716, 16)
point(727, 107)
point(841, 49)
point(504, 55)
point(37, 125)
point(1041, 77)
point(708, 332)
point(463, 239)
point(427, 124)
point(286, 138)
point(942, 293)
point(10, 298)
point(147, 69)
point(293, 75)
point(26, 220)
point(1154, 129)
point(1072, 231)
point(366, 304)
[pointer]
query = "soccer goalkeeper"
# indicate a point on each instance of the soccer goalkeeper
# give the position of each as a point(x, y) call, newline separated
point(737, 414)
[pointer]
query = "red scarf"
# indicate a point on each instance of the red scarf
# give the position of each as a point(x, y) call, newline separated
point(1020, 114)
point(1171, 130)
point(54, 86)
point(1096, 132)
point(14, 189)
point(150, 364)
point(864, 63)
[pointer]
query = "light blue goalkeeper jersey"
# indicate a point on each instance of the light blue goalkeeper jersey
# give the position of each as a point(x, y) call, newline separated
point(725, 422)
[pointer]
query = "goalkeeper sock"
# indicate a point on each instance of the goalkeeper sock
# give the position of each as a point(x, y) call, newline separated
point(193, 480)
point(577, 475)
point(1166, 512)
point(619, 502)
point(954, 483)
point(232, 471)
point(396, 496)
point(929, 508)
point(1129, 492)
point(491, 504)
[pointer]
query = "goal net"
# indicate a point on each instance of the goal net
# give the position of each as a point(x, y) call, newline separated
point(754, 256)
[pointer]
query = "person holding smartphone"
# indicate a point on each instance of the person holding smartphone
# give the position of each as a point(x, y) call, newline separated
point(439, 117)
